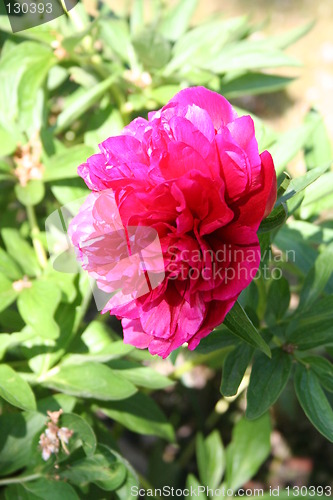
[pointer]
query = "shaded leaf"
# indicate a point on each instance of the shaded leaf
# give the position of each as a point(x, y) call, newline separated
point(253, 84)
point(176, 22)
point(278, 300)
point(267, 381)
point(249, 448)
point(64, 165)
point(143, 376)
point(210, 458)
point(276, 218)
point(82, 103)
point(31, 194)
point(37, 306)
point(42, 488)
point(322, 368)
point(83, 433)
point(312, 328)
point(15, 390)
point(7, 293)
point(314, 401)
point(20, 250)
point(140, 414)
point(90, 380)
point(240, 324)
point(100, 469)
point(234, 368)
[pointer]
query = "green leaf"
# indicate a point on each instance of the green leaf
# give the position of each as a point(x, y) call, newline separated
point(240, 324)
point(7, 141)
point(15, 390)
point(137, 16)
point(210, 458)
point(64, 165)
point(249, 448)
point(97, 337)
point(253, 84)
point(102, 469)
point(283, 40)
point(267, 381)
point(7, 293)
point(90, 380)
point(14, 339)
point(115, 33)
point(276, 218)
point(20, 250)
point(82, 103)
point(104, 123)
point(312, 328)
point(284, 185)
point(152, 49)
point(15, 491)
point(297, 184)
point(202, 43)
point(313, 233)
point(125, 491)
point(313, 401)
point(318, 196)
point(220, 338)
point(193, 484)
point(142, 376)
point(317, 279)
point(289, 144)
point(31, 194)
point(176, 22)
point(322, 368)
point(63, 281)
point(278, 300)
point(140, 414)
point(248, 55)
point(43, 487)
point(296, 251)
point(68, 190)
point(234, 368)
point(37, 306)
point(17, 433)
point(22, 73)
point(83, 434)
point(318, 148)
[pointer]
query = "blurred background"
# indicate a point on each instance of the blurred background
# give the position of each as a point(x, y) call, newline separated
point(314, 85)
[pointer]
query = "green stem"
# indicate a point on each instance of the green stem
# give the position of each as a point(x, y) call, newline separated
point(83, 308)
point(72, 14)
point(19, 479)
point(39, 249)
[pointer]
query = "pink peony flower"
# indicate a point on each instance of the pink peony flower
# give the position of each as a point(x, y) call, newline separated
point(193, 175)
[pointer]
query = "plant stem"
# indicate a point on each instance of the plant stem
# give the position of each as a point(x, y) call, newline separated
point(39, 249)
point(19, 479)
point(83, 307)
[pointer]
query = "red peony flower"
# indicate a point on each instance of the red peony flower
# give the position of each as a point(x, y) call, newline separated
point(192, 175)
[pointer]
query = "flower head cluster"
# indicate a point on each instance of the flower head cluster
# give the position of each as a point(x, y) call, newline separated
point(192, 173)
point(27, 159)
point(54, 436)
